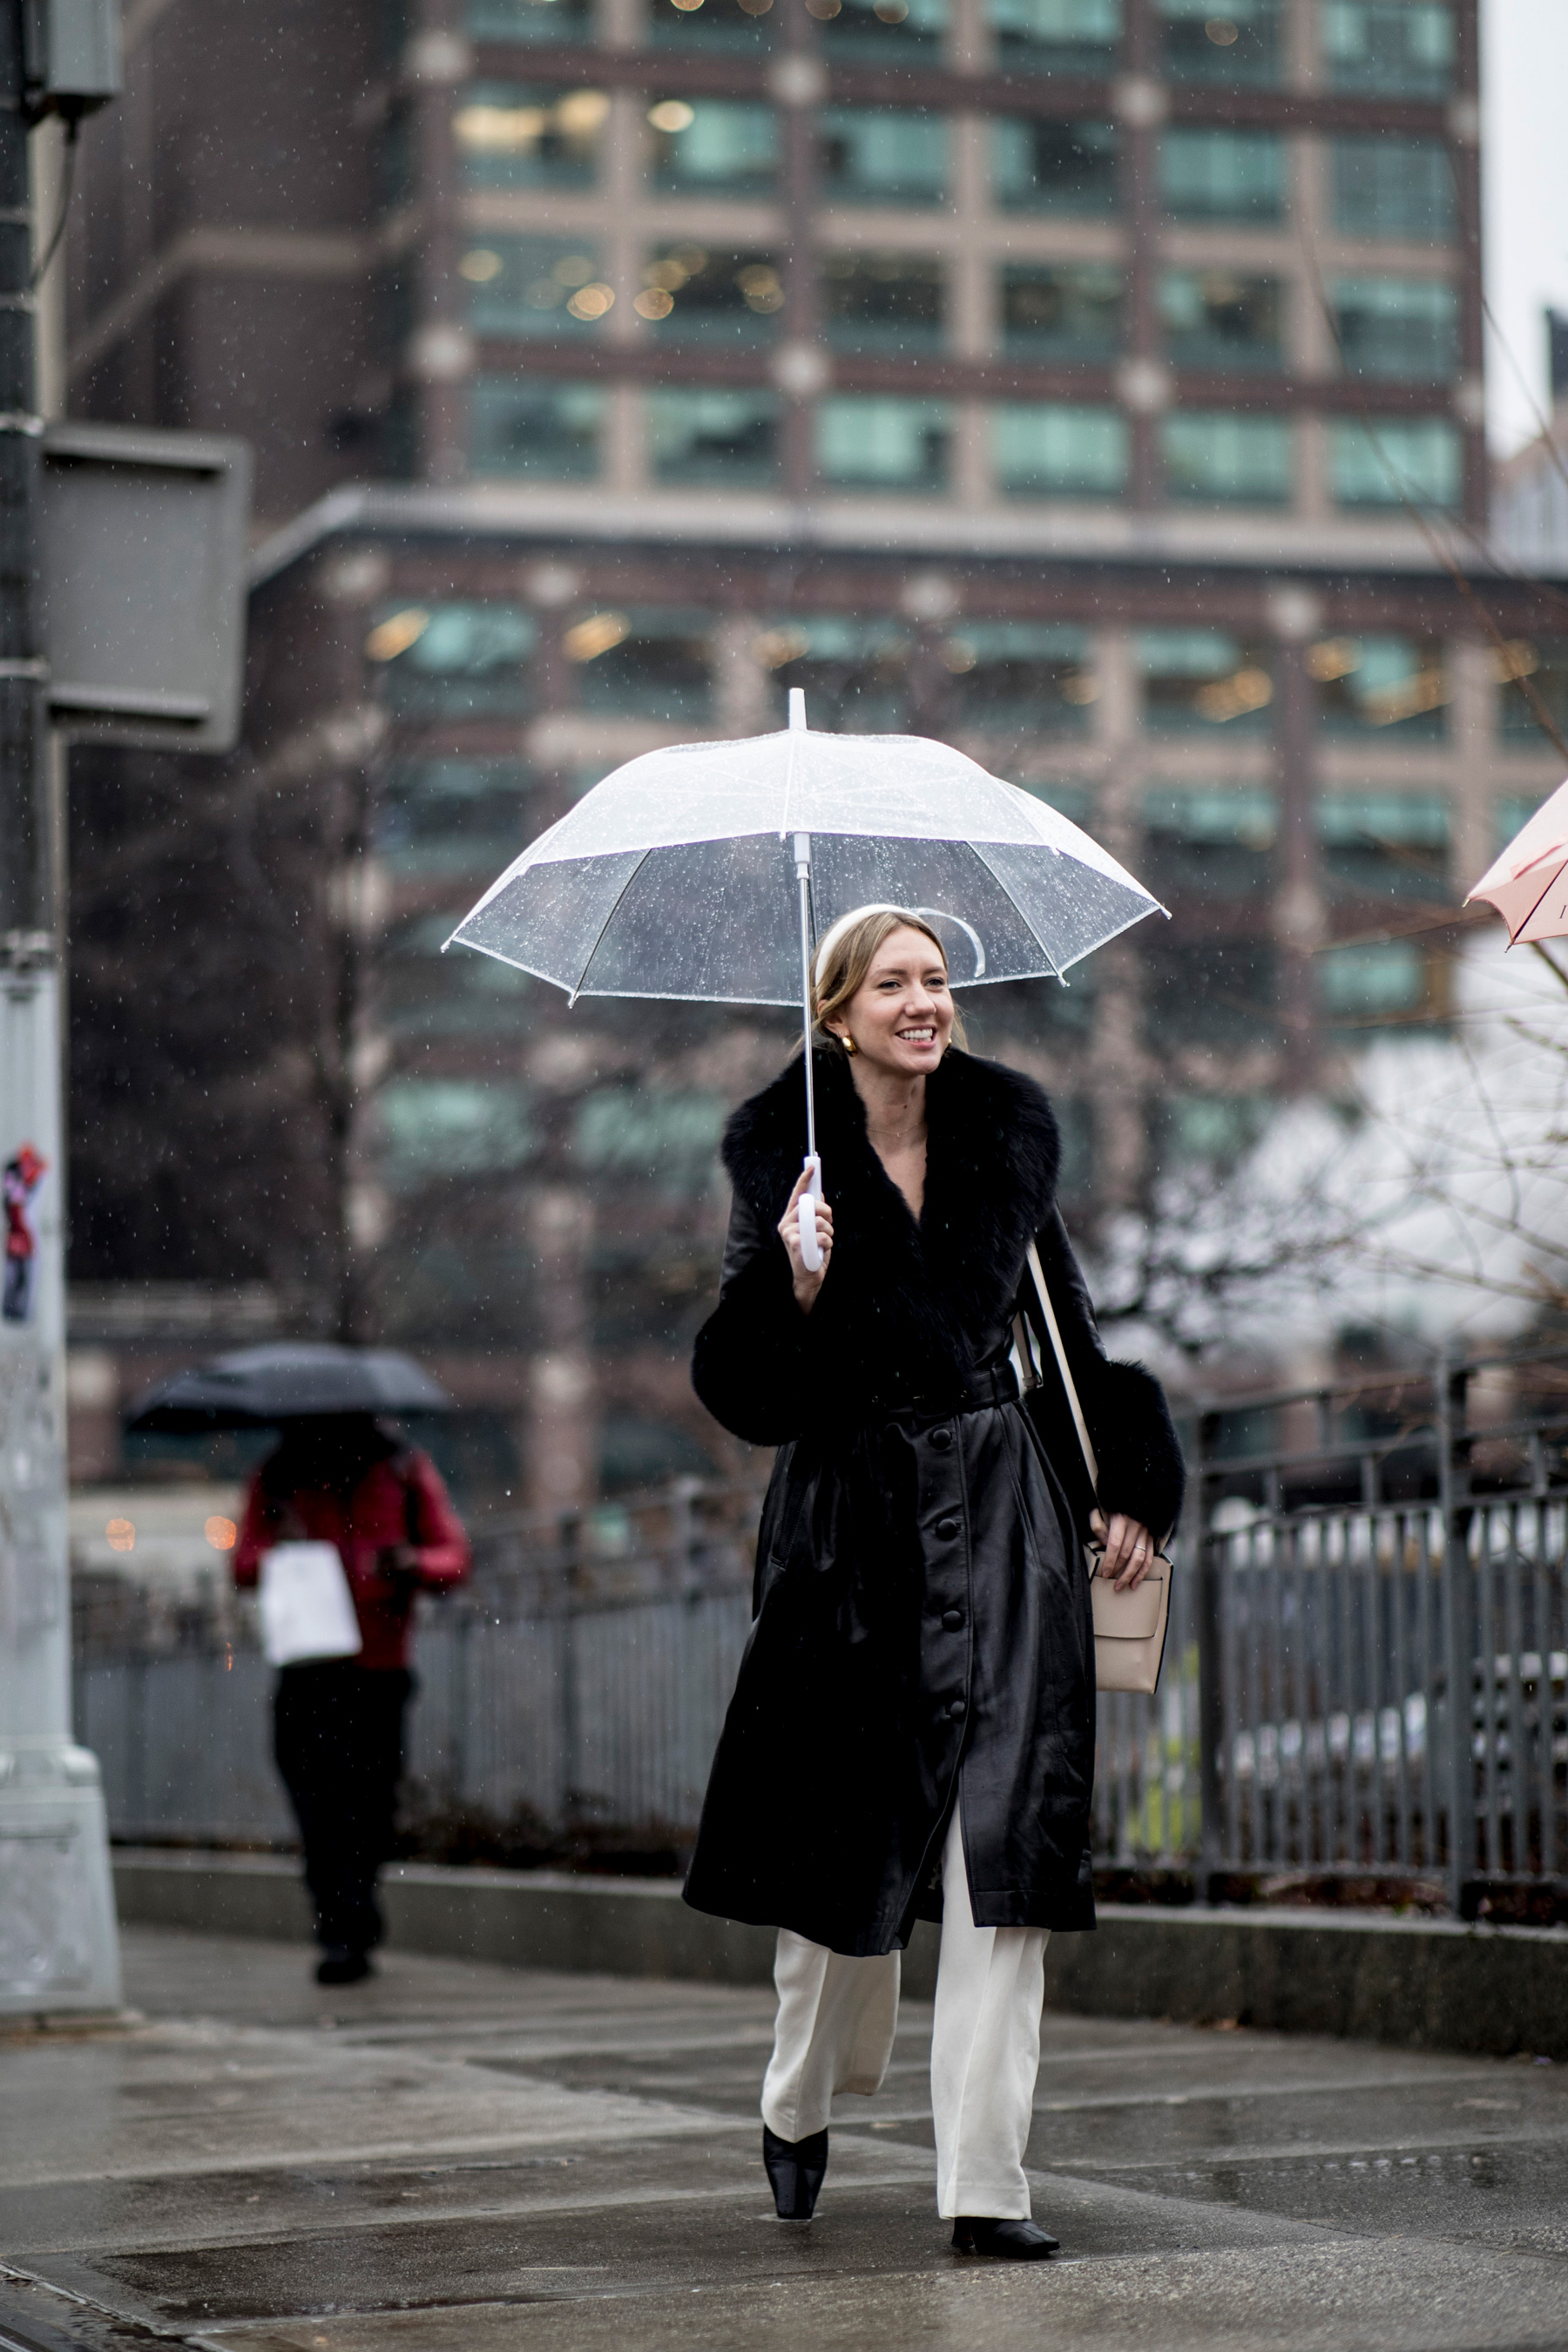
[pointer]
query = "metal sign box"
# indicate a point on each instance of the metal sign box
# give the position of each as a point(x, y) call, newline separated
point(142, 590)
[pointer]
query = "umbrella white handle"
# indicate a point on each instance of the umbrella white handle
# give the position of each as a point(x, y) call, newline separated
point(806, 1209)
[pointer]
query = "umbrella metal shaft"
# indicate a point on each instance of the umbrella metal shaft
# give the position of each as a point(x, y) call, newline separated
point(803, 877)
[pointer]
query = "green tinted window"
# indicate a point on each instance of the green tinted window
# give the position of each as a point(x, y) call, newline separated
point(467, 658)
point(451, 816)
point(1385, 186)
point(1388, 49)
point(531, 20)
point(1020, 674)
point(1229, 175)
point(1061, 310)
point(883, 301)
point(1398, 327)
point(705, 436)
point(740, 27)
point(1204, 677)
point(1209, 841)
point(1215, 1128)
point(1379, 682)
point(637, 1133)
point(435, 1129)
point(1051, 166)
point(1049, 448)
point(1069, 36)
point(533, 286)
point(1232, 460)
point(885, 32)
point(1385, 846)
point(870, 444)
point(1237, 44)
point(882, 154)
point(697, 293)
point(1221, 319)
point(648, 662)
point(714, 146)
point(1363, 985)
point(1544, 662)
point(549, 432)
point(1387, 462)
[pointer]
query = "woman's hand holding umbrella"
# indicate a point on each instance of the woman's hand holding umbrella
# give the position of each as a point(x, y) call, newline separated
point(807, 1282)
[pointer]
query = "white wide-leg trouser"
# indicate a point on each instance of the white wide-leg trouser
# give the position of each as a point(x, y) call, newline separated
point(835, 2032)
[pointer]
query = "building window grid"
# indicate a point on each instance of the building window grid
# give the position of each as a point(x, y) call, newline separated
point(985, 217)
point(1348, 992)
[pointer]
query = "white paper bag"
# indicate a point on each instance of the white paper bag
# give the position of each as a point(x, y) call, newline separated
point(307, 1608)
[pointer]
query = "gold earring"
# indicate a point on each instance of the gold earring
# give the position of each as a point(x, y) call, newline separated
point(850, 1048)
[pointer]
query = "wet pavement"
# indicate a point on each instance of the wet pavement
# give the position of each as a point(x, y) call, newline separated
point(460, 2159)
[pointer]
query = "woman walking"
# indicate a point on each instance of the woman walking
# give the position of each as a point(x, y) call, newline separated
point(913, 1730)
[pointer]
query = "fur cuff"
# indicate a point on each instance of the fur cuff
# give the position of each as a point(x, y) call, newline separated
point(1142, 1470)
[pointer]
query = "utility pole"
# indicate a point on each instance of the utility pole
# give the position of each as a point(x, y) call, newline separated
point(58, 1948)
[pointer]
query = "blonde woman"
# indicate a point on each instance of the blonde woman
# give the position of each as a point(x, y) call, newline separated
point(913, 1730)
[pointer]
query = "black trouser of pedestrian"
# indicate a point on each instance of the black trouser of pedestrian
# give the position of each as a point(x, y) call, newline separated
point(338, 1741)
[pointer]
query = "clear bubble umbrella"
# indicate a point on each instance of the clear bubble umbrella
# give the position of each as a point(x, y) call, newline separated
point(705, 872)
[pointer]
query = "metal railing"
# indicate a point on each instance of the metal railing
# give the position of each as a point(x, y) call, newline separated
point(1382, 1639)
point(1357, 1553)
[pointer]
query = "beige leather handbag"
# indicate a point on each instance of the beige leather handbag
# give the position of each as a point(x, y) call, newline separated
point(1129, 1627)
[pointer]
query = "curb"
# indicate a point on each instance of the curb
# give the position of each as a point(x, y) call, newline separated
point(1431, 1984)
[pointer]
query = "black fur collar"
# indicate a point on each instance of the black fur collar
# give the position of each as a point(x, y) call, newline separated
point(911, 1301)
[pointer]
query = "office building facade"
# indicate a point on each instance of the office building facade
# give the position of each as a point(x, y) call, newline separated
point(1095, 383)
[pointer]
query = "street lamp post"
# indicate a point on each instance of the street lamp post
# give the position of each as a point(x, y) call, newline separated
point(59, 1950)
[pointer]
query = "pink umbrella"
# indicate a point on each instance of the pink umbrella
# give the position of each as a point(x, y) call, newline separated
point(1529, 883)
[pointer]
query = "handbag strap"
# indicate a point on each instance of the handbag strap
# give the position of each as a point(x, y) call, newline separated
point(1042, 1292)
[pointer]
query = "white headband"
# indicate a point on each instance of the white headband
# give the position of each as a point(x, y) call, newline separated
point(835, 932)
point(928, 915)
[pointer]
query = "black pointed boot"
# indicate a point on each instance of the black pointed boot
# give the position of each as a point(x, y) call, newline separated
point(796, 2168)
point(1014, 2241)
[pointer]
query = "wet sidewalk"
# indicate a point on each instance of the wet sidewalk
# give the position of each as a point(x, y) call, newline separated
point(465, 2157)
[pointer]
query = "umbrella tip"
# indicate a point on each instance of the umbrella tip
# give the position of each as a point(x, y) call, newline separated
point(797, 708)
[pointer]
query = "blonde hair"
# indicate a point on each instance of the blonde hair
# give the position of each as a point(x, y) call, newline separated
point(845, 961)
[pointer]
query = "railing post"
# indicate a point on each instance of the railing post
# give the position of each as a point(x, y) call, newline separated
point(1211, 1671)
point(684, 1532)
point(571, 1728)
point(1458, 1658)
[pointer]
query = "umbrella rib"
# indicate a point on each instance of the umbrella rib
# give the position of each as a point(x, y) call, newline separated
point(1536, 904)
point(976, 851)
point(610, 915)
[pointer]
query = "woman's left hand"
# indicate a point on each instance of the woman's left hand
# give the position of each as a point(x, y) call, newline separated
point(1129, 1550)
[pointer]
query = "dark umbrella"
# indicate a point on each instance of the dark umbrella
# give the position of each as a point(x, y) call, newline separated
point(285, 1382)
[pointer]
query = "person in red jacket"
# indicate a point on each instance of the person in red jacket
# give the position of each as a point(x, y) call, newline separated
point(337, 1722)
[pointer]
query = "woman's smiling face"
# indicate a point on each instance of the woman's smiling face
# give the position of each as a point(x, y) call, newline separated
point(901, 1017)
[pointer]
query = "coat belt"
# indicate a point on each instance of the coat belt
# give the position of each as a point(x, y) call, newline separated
point(995, 1384)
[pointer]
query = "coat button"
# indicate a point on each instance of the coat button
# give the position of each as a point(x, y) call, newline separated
point(941, 1439)
point(947, 1529)
point(956, 1710)
point(951, 1620)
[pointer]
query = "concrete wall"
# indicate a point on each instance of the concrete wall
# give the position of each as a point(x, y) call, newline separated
point(1431, 1983)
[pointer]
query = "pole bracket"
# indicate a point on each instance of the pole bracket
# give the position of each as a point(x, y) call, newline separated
point(25, 951)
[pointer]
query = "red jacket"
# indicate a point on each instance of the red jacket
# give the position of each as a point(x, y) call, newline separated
point(399, 1501)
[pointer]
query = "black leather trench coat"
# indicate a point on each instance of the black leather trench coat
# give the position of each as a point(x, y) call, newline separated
point(922, 1631)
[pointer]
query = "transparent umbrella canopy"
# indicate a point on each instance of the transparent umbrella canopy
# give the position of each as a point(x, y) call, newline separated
point(705, 871)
